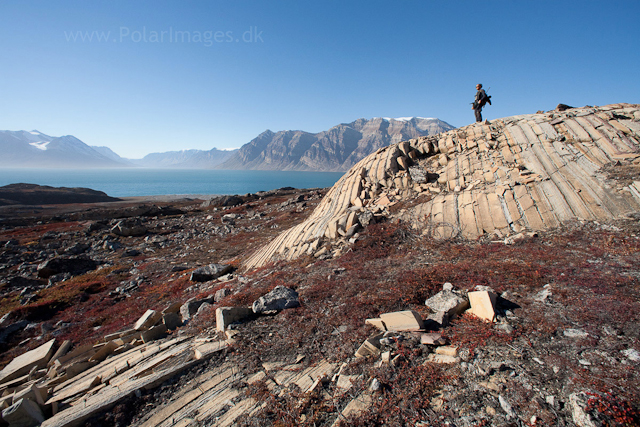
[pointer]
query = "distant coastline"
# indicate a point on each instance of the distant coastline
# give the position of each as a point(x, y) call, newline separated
point(143, 182)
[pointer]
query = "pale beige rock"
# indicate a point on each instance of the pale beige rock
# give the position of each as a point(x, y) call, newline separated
point(22, 364)
point(559, 187)
point(32, 392)
point(447, 350)
point(227, 315)
point(148, 319)
point(357, 406)
point(172, 308)
point(346, 381)
point(104, 351)
point(376, 323)
point(432, 338)
point(443, 358)
point(408, 320)
point(483, 304)
point(62, 350)
point(370, 347)
point(23, 413)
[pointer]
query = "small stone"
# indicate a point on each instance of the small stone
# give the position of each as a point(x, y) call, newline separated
point(376, 323)
point(575, 333)
point(432, 338)
point(577, 404)
point(506, 406)
point(443, 358)
point(172, 321)
point(375, 385)
point(221, 294)
point(543, 296)
point(632, 354)
point(154, 333)
point(447, 350)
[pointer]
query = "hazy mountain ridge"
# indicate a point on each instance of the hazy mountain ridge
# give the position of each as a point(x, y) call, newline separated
point(196, 159)
point(336, 149)
point(35, 149)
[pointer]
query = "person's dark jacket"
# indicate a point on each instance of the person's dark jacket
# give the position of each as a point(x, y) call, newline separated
point(481, 99)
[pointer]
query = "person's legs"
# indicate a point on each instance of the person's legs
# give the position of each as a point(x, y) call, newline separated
point(478, 113)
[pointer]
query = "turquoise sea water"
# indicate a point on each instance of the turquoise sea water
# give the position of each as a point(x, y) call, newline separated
point(130, 182)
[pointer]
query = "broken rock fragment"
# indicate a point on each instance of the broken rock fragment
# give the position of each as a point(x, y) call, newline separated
point(21, 365)
point(148, 319)
point(446, 304)
point(398, 321)
point(228, 315)
point(279, 298)
point(483, 304)
point(23, 413)
point(72, 265)
point(370, 347)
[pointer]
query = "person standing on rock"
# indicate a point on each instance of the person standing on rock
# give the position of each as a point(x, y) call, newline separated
point(478, 103)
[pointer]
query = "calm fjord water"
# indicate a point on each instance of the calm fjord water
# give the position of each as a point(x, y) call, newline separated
point(131, 182)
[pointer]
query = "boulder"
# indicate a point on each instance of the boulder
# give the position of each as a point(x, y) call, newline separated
point(209, 272)
point(129, 228)
point(446, 304)
point(279, 298)
point(228, 315)
point(172, 321)
point(190, 308)
point(23, 413)
point(72, 265)
point(223, 201)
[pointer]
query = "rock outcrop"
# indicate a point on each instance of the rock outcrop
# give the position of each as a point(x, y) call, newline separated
point(526, 172)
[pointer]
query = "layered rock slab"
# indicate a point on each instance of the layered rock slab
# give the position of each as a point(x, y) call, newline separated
point(526, 172)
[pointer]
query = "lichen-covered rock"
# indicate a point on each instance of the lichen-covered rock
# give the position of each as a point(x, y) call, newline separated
point(279, 298)
point(129, 228)
point(209, 272)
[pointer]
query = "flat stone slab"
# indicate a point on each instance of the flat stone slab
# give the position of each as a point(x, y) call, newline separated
point(22, 364)
point(408, 320)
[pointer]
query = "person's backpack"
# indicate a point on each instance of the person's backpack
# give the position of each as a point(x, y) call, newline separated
point(485, 101)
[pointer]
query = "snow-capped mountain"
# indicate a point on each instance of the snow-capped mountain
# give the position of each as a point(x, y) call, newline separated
point(35, 149)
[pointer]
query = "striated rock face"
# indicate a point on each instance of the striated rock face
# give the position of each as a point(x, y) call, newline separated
point(336, 149)
point(527, 172)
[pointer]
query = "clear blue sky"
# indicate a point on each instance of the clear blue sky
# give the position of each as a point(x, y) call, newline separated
point(302, 65)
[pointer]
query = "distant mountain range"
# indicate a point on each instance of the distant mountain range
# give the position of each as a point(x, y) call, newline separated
point(336, 149)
